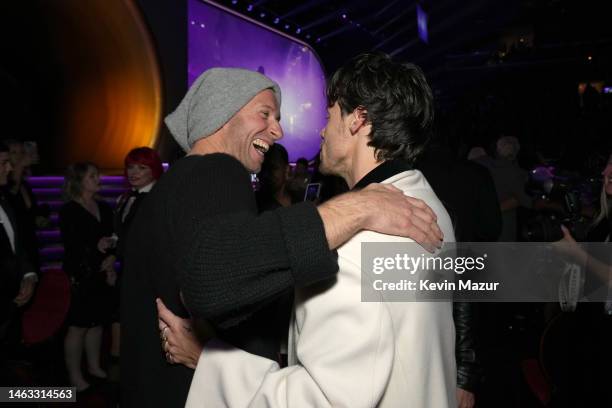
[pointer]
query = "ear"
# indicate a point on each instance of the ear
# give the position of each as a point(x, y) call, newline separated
point(358, 119)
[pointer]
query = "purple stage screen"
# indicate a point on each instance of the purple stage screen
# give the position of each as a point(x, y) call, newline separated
point(218, 38)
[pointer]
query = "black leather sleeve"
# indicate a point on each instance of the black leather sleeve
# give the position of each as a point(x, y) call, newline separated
point(467, 352)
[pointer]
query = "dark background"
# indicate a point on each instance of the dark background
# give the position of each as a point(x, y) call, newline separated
point(495, 66)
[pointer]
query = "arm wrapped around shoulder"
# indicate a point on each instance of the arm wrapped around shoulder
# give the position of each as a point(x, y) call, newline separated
point(238, 263)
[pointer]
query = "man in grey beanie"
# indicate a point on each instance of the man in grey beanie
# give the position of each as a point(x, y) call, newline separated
point(198, 244)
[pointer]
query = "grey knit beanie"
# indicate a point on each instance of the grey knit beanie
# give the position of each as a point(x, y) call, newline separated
point(212, 100)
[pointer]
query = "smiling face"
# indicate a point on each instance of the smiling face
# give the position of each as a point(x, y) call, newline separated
point(16, 153)
point(252, 130)
point(139, 175)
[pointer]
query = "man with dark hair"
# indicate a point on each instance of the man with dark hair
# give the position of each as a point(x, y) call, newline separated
point(17, 274)
point(344, 352)
point(299, 180)
point(273, 180)
point(198, 244)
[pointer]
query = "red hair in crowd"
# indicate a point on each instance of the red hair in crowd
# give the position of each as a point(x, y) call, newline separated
point(145, 156)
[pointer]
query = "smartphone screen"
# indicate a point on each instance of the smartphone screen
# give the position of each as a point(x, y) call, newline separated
point(312, 192)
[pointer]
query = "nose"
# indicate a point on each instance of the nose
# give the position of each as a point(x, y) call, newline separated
point(276, 131)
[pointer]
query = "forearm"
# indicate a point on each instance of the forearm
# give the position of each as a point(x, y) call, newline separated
point(342, 218)
point(599, 269)
point(592, 265)
point(278, 250)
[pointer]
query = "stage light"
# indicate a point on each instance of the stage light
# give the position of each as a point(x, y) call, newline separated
point(234, 2)
point(250, 7)
point(262, 15)
point(286, 26)
point(344, 16)
point(590, 58)
point(319, 39)
point(299, 30)
point(276, 20)
point(308, 36)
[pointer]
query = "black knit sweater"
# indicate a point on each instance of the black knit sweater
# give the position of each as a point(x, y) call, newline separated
point(198, 233)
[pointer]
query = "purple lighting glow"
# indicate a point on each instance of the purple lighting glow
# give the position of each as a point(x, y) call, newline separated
point(232, 41)
point(422, 24)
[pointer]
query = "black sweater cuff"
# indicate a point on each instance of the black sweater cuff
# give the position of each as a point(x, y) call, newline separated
point(310, 258)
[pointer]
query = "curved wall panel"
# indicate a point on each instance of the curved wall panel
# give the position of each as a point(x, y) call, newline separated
point(111, 91)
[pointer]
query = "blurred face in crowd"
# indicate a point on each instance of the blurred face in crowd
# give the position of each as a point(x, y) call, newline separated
point(252, 130)
point(280, 175)
point(16, 154)
point(91, 181)
point(301, 169)
point(607, 177)
point(139, 175)
point(336, 146)
point(5, 168)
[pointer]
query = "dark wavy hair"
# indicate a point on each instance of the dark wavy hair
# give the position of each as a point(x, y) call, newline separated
point(147, 157)
point(397, 98)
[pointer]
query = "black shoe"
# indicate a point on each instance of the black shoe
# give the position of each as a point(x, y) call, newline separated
point(85, 391)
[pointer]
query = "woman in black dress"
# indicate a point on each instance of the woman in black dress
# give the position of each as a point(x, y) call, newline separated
point(86, 226)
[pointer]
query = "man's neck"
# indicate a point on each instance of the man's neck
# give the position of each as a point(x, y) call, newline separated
point(208, 145)
point(362, 163)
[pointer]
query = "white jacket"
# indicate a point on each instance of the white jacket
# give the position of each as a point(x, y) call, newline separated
point(344, 352)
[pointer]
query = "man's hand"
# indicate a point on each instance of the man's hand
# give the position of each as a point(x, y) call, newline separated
point(178, 339)
point(382, 208)
point(105, 243)
point(465, 399)
point(397, 214)
point(108, 264)
point(26, 291)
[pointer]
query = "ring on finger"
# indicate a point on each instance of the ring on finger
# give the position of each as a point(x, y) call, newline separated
point(163, 333)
